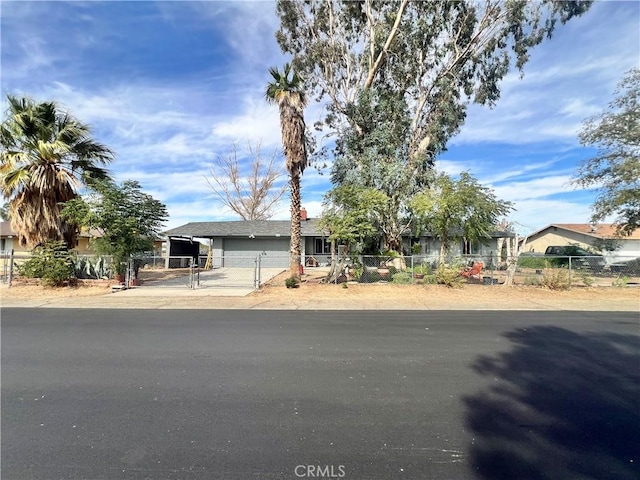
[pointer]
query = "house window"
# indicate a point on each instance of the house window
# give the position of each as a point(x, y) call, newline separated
point(321, 246)
point(3, 245)
point(470, 248)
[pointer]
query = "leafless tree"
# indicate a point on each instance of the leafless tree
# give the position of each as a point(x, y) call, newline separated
point(250, 192)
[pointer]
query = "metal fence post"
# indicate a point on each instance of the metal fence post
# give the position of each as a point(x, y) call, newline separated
point(570, 271)
point(255, 271)
point(258, 274)
point(10, 279)
point(413, 272)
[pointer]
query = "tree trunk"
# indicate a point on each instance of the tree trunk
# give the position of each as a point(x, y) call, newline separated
point(512, 262)
point(443, 249)
point(295, 223)
point(337, 268)
point(334, 263)
point(393, 242)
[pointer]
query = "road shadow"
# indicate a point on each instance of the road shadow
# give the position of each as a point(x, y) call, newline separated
point(561, 405)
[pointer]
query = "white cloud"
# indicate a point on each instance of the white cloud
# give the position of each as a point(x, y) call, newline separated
point(568, 79)
point(536, 188)
point(532, 215)
point(257, 122)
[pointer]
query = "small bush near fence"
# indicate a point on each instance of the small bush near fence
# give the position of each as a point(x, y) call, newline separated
point(402, 278)
point(449, 275)
point(556, 279)
point(95, 268)
point(533, 262)
point(291, 282)
point(51, 262)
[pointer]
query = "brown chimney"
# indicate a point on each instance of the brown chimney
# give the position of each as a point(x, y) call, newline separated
point(303, 214)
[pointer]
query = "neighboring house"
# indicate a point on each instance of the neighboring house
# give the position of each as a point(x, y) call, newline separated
point(83, 243)
point(238, 243)
point(586, 236)
point(8, 238)
point(9, 241)
point(430, 247)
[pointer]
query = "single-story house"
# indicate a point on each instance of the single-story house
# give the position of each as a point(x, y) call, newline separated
point(238, 243)
point(9, 241)
point(8, 238)
point(586, 236)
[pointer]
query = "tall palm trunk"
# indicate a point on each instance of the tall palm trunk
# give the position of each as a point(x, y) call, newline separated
point(289, 95)
point(295, 224)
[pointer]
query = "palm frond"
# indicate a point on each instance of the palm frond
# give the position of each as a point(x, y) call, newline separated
point(46, 155)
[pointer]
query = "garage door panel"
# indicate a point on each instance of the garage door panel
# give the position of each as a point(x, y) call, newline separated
point(242, 252)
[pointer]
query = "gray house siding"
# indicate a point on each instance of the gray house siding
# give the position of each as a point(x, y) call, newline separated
point(242, 252)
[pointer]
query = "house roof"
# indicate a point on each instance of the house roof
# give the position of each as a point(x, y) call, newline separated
point(244, 228)
point(6, 230)
point(261, 228)
point(600, 230)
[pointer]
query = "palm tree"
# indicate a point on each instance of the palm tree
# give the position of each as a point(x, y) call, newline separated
point(46, 156)
point(288, 93)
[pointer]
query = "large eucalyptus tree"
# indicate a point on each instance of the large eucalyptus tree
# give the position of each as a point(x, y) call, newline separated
point(287, 91)
point(615, 169)
point(417, 64)
point(47, 155)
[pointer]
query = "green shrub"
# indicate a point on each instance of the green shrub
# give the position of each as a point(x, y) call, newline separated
point(449, 275)
point(50, 262)
point(586, 279)
point(357, 269)
point(421, 269)
point(402, 278)
point(556, 279)
point(620, 281)
point(370, 276)
point(429, 280)
point(532, 262)
point(392, 270)
point(291, 282)
point(87, 268)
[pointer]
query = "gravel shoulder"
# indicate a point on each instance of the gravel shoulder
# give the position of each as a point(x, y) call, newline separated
point(336, 297)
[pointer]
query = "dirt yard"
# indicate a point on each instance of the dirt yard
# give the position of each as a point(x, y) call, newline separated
point(88, 288)
point(415, 295)
point(311, 294)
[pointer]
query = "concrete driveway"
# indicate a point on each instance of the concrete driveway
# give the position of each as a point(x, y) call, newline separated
point(224, 281)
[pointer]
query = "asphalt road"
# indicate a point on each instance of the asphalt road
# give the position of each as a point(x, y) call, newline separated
point(210, 394)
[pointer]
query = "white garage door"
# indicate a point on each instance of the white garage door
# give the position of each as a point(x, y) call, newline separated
point(242, 252)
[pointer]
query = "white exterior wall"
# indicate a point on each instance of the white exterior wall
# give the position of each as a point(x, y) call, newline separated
point(6, 245)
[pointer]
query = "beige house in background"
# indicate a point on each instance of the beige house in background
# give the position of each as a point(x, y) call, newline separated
point(586, 236)
point(9, 241)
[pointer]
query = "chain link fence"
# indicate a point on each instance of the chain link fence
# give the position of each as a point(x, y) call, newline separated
point(249, 271)
point(543, 270)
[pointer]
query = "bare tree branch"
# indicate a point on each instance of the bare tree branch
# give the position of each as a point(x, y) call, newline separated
point(251, 193)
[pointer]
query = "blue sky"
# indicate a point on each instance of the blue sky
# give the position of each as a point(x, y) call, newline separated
point(170, 85)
